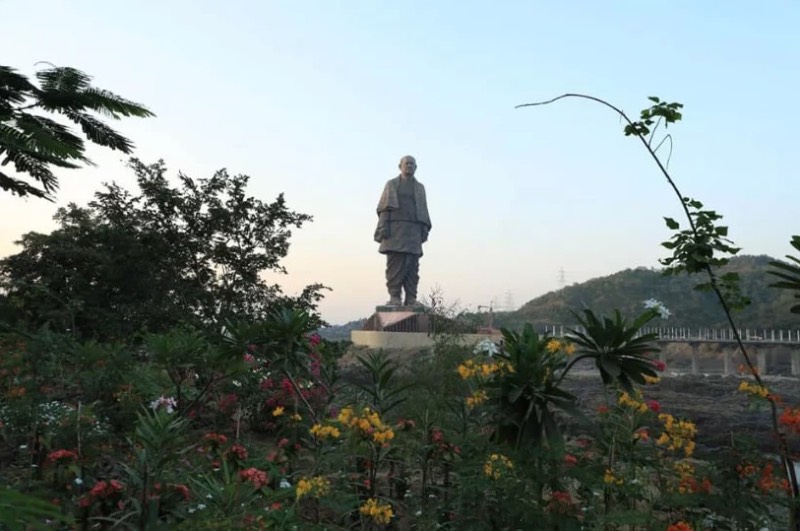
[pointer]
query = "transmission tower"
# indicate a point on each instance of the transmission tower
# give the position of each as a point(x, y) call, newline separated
point(562, 278)
point(509, 301)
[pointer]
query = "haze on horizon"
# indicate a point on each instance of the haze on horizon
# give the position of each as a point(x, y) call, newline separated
point(320, 99)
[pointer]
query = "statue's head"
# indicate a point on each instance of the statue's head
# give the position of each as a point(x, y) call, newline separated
point(408, 165)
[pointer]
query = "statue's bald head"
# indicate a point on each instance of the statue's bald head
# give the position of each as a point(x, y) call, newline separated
point(408, 165)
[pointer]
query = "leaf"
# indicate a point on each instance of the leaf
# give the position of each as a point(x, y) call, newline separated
point(672, 224)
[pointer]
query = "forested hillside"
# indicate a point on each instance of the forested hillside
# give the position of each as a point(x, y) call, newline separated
point(627, 290)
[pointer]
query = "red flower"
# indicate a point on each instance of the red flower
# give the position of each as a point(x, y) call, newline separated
point(61, 454)
point(654, 406)
point(255, 476)
point(183, 490)
point(602, 409)
point(239, 451)
point(659, 365)
point(570, 460)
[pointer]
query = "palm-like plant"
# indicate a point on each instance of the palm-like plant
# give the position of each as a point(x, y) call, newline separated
point(33, 143)
point(619, 350)
point(789, 274)
point(530, 393)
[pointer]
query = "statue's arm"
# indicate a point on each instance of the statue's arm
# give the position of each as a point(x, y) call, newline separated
point(382, 230)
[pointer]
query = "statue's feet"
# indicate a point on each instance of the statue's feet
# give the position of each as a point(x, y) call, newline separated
point(411, 302)
point(394, 301)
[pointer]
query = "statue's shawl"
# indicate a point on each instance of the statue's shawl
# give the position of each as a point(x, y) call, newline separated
point(389, 200)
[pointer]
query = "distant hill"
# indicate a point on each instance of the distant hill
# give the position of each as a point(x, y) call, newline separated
point(627, 290)
point(341, 332)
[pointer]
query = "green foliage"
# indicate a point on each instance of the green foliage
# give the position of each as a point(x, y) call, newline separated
point(529, 394)
point(650, 118)
point(33, 142)
point(619, 350)
point(789, 273)
point(383, 389)
point(702, 247)
point(23, 512)
point(127, 264)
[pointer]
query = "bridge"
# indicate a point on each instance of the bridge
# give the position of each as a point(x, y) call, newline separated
point(716, 335)
point(776, 350)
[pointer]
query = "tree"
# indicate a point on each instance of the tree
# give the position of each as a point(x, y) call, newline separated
point(34, 143)
point(128, 263)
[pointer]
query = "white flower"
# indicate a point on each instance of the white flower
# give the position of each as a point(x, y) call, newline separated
point(201, 506)
point(658, 306)
point(237, 383)
point(284, 484)
point(169, 404)
point(78, 481)
point(487, 346)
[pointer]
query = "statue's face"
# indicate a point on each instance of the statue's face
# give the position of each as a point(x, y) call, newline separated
point(408, 166)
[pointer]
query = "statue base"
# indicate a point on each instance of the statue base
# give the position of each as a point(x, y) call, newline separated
point(399, 319)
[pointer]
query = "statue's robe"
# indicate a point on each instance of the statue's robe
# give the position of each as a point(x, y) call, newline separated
point(403, 226)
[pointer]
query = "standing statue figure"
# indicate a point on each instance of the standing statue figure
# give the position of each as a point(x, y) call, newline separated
point(403, 226)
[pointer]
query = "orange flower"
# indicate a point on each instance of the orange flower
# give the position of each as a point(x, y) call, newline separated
point(680, 526)
point(791, 419)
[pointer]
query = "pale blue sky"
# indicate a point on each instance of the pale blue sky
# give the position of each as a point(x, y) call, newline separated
point(320, 99)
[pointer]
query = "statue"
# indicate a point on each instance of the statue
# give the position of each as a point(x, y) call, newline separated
point(403, 226)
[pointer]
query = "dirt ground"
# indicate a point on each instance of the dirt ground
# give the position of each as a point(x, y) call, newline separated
point(711, 400)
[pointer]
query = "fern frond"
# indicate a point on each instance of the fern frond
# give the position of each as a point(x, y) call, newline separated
point(112, 105)
point(20, 188)
point(100, 133)
point(63, 79)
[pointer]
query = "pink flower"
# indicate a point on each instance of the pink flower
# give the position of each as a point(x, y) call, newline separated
point(314, 339)
point(249, 358)
point(659, 365)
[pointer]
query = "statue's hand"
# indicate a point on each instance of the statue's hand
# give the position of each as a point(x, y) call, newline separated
point(380, 234)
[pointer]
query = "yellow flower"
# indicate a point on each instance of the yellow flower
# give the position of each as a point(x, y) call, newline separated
point(496, 465)
point(321, 432)
point(553, 345)
point(569, 350)
point(477, 398)
point(611, 479)
point(296, 417)
point(651, 379)
point(381, 513)
point(317, 486)
point(278, 411)
point(753, 389)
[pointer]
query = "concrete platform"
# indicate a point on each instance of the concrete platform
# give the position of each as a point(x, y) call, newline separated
point(409, 340)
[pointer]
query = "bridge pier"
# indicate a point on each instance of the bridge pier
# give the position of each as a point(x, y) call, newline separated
point(761, 360)
point(796, 363)
point(728, 361)
point(695, 359)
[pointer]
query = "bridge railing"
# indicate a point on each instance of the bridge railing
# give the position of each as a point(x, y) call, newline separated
point(753, 335)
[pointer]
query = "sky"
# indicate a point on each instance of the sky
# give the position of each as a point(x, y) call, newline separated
point(320, 99)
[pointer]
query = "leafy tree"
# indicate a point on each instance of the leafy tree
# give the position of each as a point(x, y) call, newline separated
point(128, 263)
point(33, 143)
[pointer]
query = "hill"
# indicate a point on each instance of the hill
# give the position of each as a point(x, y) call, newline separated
point(628, 289)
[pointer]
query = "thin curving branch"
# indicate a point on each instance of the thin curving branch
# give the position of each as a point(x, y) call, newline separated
point(782, 443)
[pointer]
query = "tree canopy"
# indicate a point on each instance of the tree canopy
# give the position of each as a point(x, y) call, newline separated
point(33, 143)
point(132, 262)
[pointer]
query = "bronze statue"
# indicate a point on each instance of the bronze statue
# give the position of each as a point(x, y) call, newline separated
point(403, 226)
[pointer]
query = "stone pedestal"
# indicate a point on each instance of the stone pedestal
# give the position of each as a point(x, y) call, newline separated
point(412, 327)
point(399, 319)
